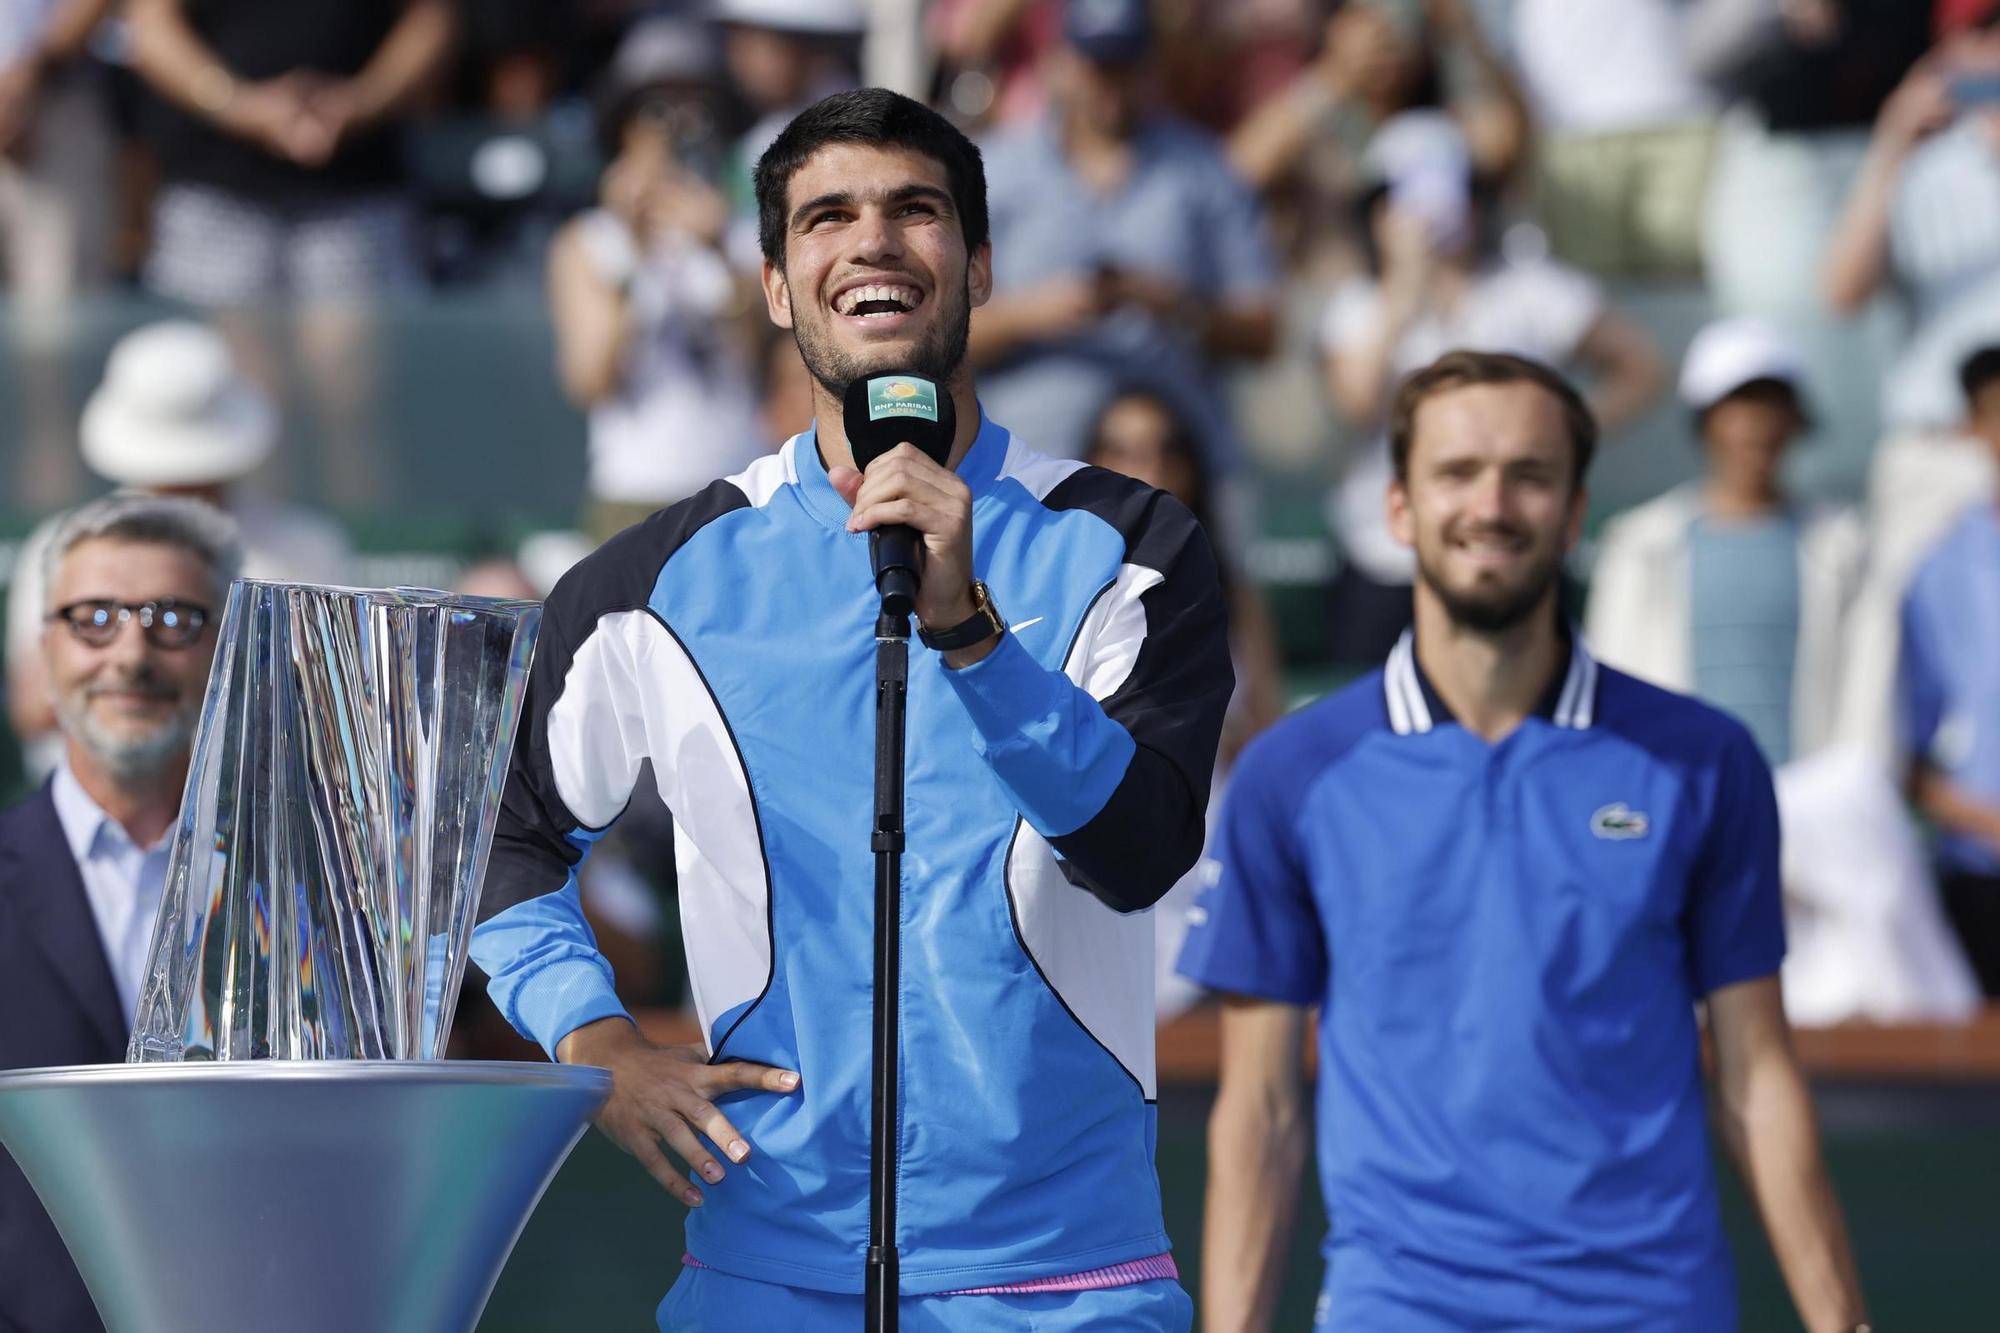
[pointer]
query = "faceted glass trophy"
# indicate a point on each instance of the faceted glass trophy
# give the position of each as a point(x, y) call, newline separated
point(284, 1148)
point(339, 809)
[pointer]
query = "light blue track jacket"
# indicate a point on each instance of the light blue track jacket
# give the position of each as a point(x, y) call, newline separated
point(1055, 790)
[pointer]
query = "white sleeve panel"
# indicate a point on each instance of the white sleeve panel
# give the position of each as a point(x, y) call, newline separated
point(725, 892)
point(1108, 645)
point(1097, 960)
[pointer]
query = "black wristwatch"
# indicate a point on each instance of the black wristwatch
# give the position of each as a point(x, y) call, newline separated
point(981, 625)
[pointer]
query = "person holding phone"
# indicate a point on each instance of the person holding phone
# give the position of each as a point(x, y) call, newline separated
point(651, 335)
point(1923, 220)
point(1438, 280)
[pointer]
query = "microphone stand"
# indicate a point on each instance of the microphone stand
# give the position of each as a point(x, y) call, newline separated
point(892, 671)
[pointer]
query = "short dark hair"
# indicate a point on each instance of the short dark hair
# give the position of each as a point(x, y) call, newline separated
point(1978, 371)
point(1455, 370)
point(869, 116)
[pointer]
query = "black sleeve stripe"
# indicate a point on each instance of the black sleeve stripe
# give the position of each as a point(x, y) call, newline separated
point(1150, 831)
point(532, 852)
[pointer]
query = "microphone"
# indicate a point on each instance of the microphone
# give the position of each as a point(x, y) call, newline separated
point(881, 412)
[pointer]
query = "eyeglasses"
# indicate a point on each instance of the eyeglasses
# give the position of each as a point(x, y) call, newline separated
point(166, 622)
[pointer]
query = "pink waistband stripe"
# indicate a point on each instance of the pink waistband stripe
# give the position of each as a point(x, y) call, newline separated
point(1132, 1271)
point(1126, 1274)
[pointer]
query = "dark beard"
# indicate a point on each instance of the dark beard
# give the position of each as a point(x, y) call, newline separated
point(1495, 610)
point(937, 357)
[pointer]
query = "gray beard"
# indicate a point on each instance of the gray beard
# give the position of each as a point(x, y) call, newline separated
point(129, 760)
point(937, 357)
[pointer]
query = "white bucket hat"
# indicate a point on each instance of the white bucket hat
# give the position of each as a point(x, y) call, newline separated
point(174, 410)
point(819, 18)
point(1730, 353)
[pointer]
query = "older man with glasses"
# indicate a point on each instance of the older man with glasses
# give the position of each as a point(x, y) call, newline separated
point(135, 584)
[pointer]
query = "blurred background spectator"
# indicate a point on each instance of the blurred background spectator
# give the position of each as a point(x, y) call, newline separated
point(1377, 59)
point(174, 416)
point(990, 57)
point(1625, 132)
point(55, 142)
point(1726, 587)
point(1733, 590)
point(1139, 435)
point(782, 56)
point(1804, 80)
point(653, 333)
point(1950, 696)
point(279, 171)
point(1439, 277)
point(56, 159)
point(281, 179)
point(1922, 223)
point(1125, 254)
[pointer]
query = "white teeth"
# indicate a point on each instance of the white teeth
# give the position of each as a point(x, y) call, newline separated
point(905, 297)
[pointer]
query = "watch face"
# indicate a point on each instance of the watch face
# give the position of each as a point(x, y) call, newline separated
point(982, 604)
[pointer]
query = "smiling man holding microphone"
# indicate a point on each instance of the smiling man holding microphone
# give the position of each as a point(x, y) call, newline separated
point(1056, 782)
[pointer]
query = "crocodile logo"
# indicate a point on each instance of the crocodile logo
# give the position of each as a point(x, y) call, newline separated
point(1619, 822)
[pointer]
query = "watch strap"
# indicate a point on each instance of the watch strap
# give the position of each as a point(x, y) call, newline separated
point(983, 624)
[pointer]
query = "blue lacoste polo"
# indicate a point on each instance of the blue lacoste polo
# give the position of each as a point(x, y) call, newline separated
point(1506, 943)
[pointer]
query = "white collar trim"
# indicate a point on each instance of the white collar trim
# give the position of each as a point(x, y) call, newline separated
point(1410, 712)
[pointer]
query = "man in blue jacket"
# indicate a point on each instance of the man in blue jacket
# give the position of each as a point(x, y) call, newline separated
point(1057, 779)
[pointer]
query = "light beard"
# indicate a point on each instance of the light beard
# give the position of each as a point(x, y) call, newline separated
point(130, 760)
point(938, 355)
point(1493, 610)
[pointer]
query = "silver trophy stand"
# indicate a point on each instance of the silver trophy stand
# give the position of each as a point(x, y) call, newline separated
point(284, 1151)
point(294, 1196)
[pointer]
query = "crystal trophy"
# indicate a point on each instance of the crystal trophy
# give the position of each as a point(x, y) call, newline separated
point(286, 1148)
point(339, 809)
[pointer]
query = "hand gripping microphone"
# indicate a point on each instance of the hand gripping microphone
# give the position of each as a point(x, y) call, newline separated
point(881, 412)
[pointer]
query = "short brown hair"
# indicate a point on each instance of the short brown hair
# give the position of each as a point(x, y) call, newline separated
point(1455, 370)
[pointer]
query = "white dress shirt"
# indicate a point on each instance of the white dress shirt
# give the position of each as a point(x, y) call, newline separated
point(123, 881)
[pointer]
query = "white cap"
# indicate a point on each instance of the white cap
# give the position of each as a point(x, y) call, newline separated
point(1423, 159)
point(665, 50)
point(173, 410)
point(1731, 353)
point(821, 18)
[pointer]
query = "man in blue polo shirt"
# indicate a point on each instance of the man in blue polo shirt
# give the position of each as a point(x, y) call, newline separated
point(1950, 700)
point(1504, 875)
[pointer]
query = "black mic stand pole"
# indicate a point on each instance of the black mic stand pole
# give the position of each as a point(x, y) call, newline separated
point(892, 673)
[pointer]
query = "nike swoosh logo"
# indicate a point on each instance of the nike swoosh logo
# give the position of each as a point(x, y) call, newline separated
point(1026, 624)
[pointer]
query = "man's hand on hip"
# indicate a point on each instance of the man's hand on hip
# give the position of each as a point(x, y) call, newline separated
point(666, 1093)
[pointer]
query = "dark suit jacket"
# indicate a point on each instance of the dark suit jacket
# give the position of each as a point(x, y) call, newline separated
point(58, 1006)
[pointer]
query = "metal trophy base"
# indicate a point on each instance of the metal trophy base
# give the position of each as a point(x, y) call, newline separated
point(294, 1196)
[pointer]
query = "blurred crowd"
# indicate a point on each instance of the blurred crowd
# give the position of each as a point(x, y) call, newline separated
point(1222, 233)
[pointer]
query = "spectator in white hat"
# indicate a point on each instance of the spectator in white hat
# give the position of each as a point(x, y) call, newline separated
point(1732, 590)
point(1724, 587)
point(173, 416)
point(782, 56)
